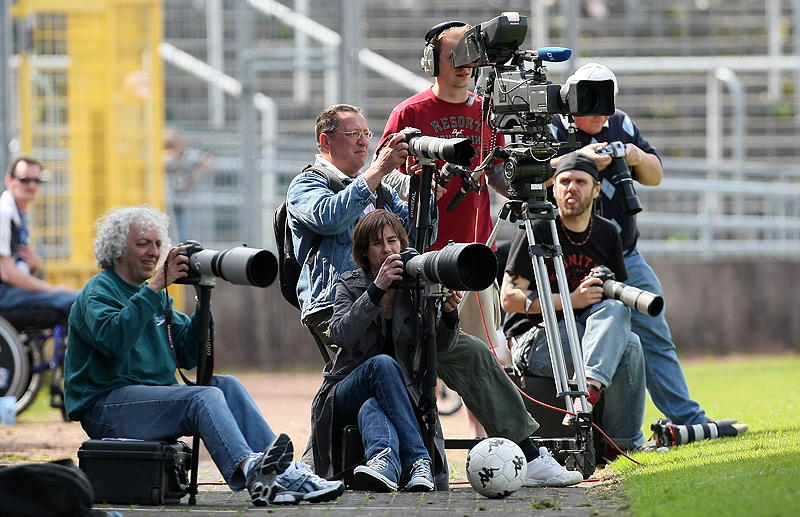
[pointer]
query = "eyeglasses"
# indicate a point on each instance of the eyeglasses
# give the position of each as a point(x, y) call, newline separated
point(357, 133)
point(38, 181)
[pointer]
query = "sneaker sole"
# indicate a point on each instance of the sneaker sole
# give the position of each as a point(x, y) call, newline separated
point(374, 481)
point(287, 498)
point(554, 482)
point(318, 496)
point(277, 458)
point(324, 495)
point(422, 486)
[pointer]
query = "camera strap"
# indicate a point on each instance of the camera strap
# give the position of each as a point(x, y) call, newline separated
point(208, 372)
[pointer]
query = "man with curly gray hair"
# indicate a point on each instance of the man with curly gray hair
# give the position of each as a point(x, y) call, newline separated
point(111, 232)
point(120, 368)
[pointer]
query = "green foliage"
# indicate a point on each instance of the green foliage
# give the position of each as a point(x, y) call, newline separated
point(753, 474)
point(782, 110)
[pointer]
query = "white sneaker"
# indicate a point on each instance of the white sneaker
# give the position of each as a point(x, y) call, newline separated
point(299, 483)
point(546, 471)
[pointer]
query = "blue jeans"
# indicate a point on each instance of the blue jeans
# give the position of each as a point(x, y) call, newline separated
point(223, 414)
point(665, 380)
point(374, 397)
point(15, 298)
point(612, 354)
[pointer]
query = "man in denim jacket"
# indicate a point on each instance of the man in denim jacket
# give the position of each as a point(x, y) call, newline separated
point(343, 140)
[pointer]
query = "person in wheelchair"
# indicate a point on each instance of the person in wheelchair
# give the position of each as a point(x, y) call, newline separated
point(365, 383)
point(23, 293)
point(613, 358)
point(121, 362)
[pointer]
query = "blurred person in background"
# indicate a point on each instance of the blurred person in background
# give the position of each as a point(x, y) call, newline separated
point(21, 285)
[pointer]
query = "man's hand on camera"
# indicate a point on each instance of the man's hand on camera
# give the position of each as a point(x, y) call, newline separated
point(601, 160)
point(589, 292)
point(389, 158)
point(175, 266)
point(633, 155)
point(391, 270)
point(452, 302)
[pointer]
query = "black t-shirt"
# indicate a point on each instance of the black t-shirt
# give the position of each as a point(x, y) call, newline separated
point(599, 245)
point(620, 128)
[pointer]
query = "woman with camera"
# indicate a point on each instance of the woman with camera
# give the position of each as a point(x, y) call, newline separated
point(378, 358)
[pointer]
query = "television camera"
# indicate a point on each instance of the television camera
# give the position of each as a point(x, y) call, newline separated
point(521, 101)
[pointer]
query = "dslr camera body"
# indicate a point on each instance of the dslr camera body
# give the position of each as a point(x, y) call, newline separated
point(621, 177)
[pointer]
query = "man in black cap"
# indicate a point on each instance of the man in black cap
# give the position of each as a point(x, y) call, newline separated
point(613, 358)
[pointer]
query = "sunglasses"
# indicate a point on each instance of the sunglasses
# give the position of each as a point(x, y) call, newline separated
point(38, 181)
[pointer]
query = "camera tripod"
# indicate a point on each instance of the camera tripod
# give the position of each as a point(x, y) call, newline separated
point(580, 456)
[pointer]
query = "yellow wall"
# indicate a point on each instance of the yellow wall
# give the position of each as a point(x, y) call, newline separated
point(91, 100)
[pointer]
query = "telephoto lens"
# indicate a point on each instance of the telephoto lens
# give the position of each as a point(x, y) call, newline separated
point(635, 298)
point(457, 266)
point(239, 265)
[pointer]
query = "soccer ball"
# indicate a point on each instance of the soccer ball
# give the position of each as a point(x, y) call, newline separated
point(496, 467)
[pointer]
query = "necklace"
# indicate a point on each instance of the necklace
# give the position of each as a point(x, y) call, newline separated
point(585, 240)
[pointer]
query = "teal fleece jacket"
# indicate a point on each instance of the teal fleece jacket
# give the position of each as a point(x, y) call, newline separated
point(117, 337)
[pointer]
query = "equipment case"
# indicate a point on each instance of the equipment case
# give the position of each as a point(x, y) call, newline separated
point(136, 472)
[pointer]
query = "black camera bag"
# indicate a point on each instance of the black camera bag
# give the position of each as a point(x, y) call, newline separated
point(55, 489)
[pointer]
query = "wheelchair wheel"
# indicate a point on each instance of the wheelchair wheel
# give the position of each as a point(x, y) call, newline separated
point(447, 400)
point(14, 363)
point(33, 351)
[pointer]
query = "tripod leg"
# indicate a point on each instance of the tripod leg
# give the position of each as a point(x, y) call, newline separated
point(582, 457)
point(569, 317)
point(549, 316)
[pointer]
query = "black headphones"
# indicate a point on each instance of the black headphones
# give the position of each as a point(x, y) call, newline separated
point(430, 56)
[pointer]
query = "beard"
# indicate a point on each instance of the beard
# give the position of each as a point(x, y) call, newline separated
point(584, 204)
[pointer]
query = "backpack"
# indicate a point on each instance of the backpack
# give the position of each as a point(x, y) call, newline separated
point(288, 266)
point(46, 489)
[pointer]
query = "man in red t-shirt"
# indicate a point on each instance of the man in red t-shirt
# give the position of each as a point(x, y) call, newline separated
point(449, 110)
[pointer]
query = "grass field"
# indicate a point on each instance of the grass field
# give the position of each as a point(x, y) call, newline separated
point(756, 474)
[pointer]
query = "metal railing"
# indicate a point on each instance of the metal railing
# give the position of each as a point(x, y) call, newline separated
point(702, 208)
point(729, 211)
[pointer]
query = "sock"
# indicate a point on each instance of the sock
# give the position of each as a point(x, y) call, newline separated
point(529, 449)
point(246, 465)
point(594, 395)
